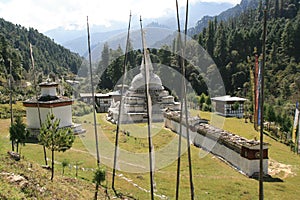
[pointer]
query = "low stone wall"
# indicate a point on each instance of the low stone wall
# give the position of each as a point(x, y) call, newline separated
point(223, 144)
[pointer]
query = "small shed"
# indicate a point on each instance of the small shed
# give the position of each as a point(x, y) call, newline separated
point(228, 106)
point(86, 97)
point(103, 101)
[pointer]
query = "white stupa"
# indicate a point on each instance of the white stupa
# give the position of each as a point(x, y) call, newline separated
point(48, 102)
point(134, 101)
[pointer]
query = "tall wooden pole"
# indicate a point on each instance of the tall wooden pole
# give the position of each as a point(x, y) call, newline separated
point(261, 157)
point(120, 105)
point(181, 109)
point(184, 108)
point(149, 112)
point(37, 100)
point(10, 102)
point(10, 94)
point(93, 93)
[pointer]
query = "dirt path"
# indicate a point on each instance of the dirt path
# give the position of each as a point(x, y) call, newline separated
point(280, 169)
point(161, 196)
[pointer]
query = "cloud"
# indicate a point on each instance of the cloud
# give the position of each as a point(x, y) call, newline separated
point(48, 14)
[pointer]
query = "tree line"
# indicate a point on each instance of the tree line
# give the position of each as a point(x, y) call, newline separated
point(15, 52)
point(232, 45)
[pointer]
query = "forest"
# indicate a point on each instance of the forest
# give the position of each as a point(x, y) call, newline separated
point(49, 57)
point(232, 45)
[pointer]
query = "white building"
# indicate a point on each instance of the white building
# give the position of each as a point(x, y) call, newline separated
point(48, 102)
point(103, 101)
point(225, 106)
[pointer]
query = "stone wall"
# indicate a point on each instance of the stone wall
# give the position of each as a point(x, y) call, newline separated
point(216, 144)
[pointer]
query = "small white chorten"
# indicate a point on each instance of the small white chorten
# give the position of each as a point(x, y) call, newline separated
point(48, 102)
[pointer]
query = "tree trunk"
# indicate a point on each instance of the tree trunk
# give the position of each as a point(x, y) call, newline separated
point(17, 147)
point(45, 155)
point(20, 151)
point(63, 170)
point(12, 146)
point(96, 192)
point(52, 167)
point(76, 173)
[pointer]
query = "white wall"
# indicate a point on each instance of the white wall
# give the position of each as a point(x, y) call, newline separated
point(64, 113)
point(45, 91)
point(245, 165)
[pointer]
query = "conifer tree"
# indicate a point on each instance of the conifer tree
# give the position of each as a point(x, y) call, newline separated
point(276, 9)
point(102, 68)
point(55, 138)
point(297, 38)
point(220, 51)
point(18, 132)
point(99, 177)
point(209, 40)
point(287, 39)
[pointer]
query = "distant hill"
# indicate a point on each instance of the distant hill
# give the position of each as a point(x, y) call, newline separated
point(231, 12)
point(225, 15)
point(48, 56)
point(75, 38)
point(152, 34)
point(79, 44)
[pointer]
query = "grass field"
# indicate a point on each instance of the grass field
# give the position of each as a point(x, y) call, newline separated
point(213, 179)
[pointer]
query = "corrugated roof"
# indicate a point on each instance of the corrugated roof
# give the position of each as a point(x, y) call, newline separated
point(96, 95)
point(228, 98)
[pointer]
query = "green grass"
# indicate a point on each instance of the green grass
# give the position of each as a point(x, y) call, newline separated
point(213, 179)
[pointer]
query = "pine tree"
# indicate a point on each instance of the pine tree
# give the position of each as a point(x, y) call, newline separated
point(55, 138)
point(209, 40)
point(281, 6)
point(131, 56)
point(99, 177)
point(164, 55)
point(259, 10)
point(270, 114)
point(288, 39)
point(115, 71)
point(18, 132)
point(220, 51)
point(64, 163)
point(297, 38)
point(104, 82)
point(273, 53)
point(276, 9)
point(202, 100)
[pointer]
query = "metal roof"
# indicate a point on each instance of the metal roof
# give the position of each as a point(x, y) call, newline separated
point(228, 98)
point(96, 95)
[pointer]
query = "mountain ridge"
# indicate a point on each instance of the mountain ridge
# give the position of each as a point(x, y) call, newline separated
point(225, 15)
point(76, 39)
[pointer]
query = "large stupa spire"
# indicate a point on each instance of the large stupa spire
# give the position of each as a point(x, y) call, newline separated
point(138, 82)
point(135, 99)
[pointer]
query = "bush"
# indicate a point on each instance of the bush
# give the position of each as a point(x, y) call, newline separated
point(81, 108)
point(18, 109)
point(206, 107)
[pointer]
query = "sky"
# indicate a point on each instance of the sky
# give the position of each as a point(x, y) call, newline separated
point(45, 15)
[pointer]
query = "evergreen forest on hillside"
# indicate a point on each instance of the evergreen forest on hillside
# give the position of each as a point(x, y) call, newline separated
point(225, 49)
point(49, 57)
point(232, 45)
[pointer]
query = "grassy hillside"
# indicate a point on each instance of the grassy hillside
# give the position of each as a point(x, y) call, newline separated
point(35, 181)
point(213, 179)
